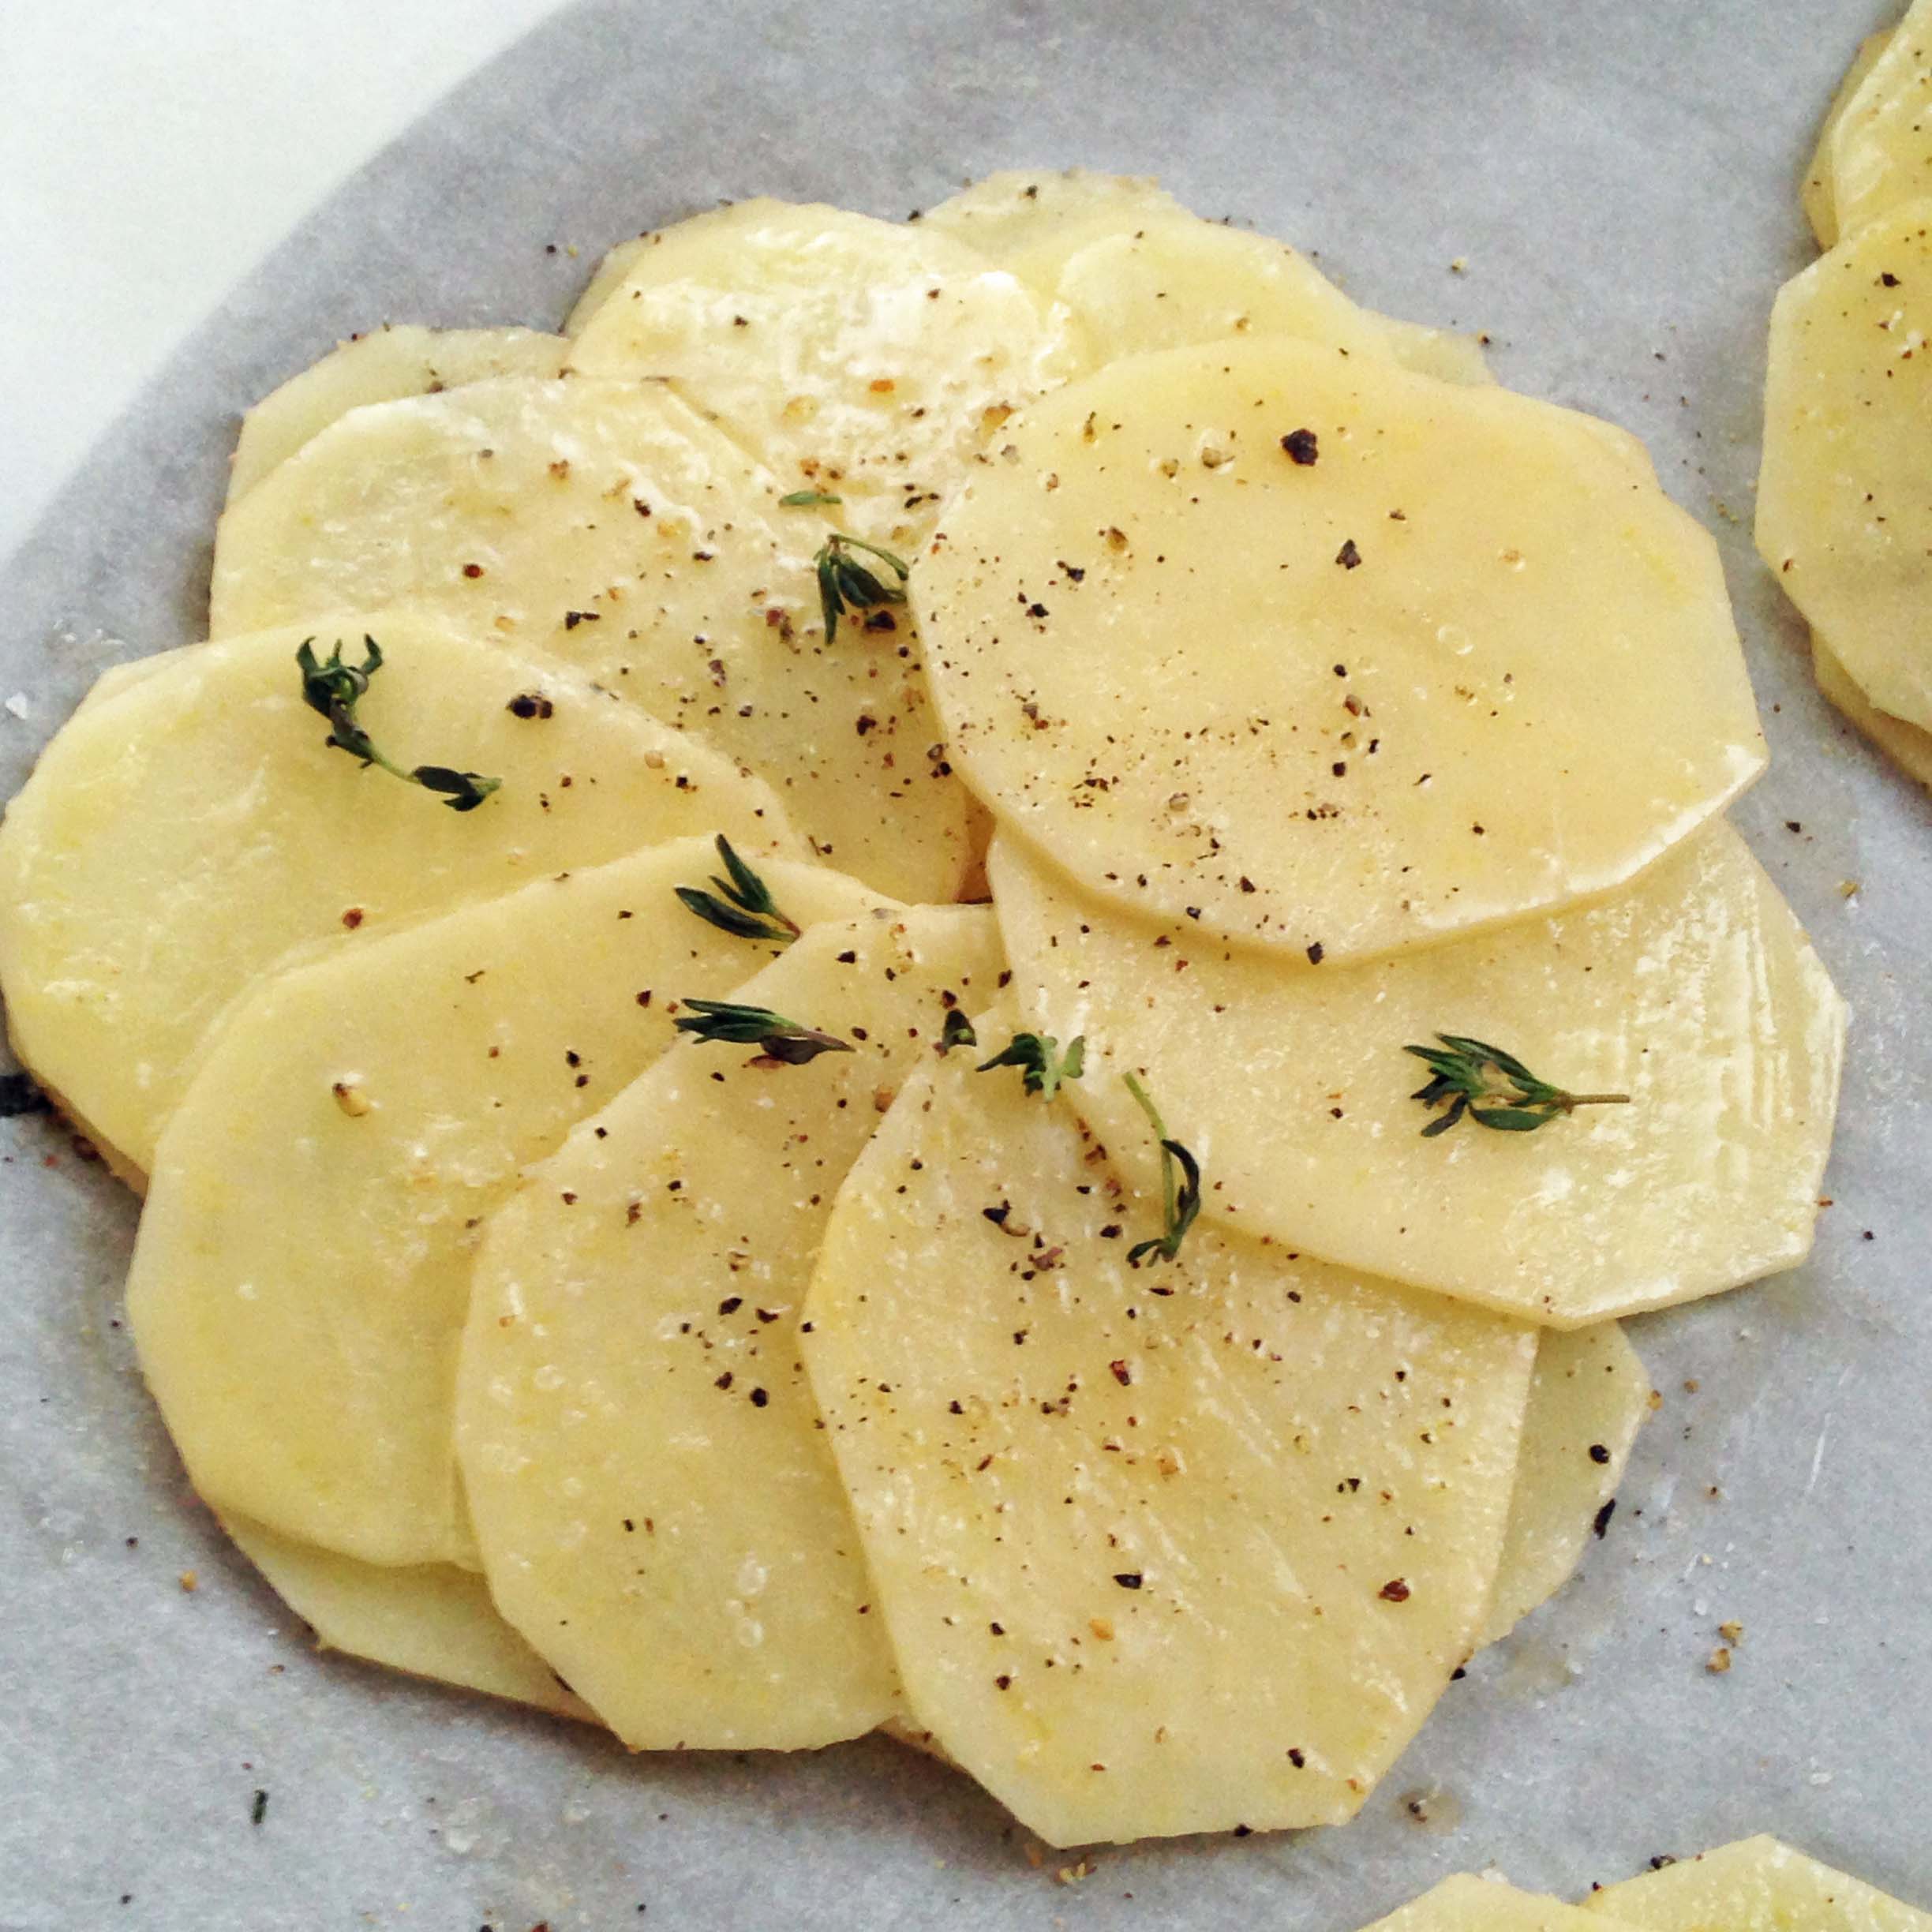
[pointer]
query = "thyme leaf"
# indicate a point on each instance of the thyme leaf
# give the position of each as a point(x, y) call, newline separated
point(808, 499)
point(957, 1031)
point(743, 905)
point(782, 1041)
point(1181, 1190)
point(1494, 1088)
point(1043, 1066)
point(846, 584)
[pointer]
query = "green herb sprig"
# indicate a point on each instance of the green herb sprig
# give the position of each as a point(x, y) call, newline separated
point(1181, 1191)
point(845, 584)
point(782, 1041)
point(743, 905)
point(334, 688)
point(1494, 1088)
point(1044, 1068)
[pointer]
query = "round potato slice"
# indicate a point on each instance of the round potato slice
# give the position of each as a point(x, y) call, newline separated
point(1844, 510)
point(1034, 222)
point(387, 363)
point(610, 275)
point(1232, 639)
point(1161, 1550)
point(1755, 1885)
point(430, 1620)
point(302, 1270)
point(656, 1507)
point(608, 522)
point(1881, 152)
point(1468, 1903)
point(1588, 1398)
point(178, 839)
point(1820, 205)
point(1696, 992)
point(860, 357)
point(1909, 747)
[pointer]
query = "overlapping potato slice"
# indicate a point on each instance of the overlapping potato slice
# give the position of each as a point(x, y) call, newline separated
point(1694, 991)
point(609, 276)
point(1588, 1398)
point(302, 1270)
point(1468, 1903)
point(608, 522)
point(1338, 707)
point(1909, 746)
point(1820, 203)
point(430, 1620)
point(1033, 222)
point(867, 358)
point(1881, 151)
point(385, 364)
point(1845, 514)
point(1160, 1550)
point(1755, 1885)
point(177, 840)
point(656, 1507)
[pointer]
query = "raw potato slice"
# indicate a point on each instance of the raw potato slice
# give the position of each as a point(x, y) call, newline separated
point(608, 522)
point(611, 275)
point(387, 364)
point(651, 1489)
point(1755, 1885)
point(1696, 992)
point(1288, 1484)
point(1343, 707)
point(177, 839)
point(1587, 1400)
point(1881, 146)
point(1909, 746)
point(302, 1270)
point(1033, 223)
point(856, 356)
point(1820, 205)
point(1468, 1903)
point(430, 1620)
point(1844, 505)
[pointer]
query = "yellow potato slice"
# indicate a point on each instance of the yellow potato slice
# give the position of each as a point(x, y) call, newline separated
point(1588, 1398)
point(1338, 708)
point(655, 1506)
point(610, 275)
point(859, 357)
point(430, 1620)
point(302, 1270)
point(182, 837)
point(1467, 1904)
point(387, 364)
point(1696, 992)
point(1033, 222)
point(1881, 146)
point(1844, 517)
point(1820, 205)
point(608, 522)
point(1909, 747)
point(1162, 1550)
point(1755, 1885)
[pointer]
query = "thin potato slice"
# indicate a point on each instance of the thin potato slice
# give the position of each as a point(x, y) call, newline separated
point(385, 364)
point(609, 276)
point(1034, 222)
point(302, 1270)
point(1162, 1550)
point(1467, 1904)
point(430, 1620)
point(608, 522)
point(1820, 204)
point(656, 1507)
point(1909, 747)
point(858, 357)
point(1694, 991)
point(1341, 707)
point(1881, 152)
point(178, 839)
point(1755, 1885)
point(1844, 509)
point(1588, 1398)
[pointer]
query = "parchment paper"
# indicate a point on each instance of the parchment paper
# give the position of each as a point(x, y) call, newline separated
point(1621, 180)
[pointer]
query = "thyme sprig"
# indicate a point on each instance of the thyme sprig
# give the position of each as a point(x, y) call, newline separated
point(334, 688)
point(1494, 1088)
point(1180, 1191)
point(845, 584)
point(782, 1041)
point(743, 905)
point(1043, 1066)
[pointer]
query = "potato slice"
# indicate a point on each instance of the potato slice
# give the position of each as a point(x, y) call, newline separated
point(1288, 1484)
point(1820, 205)
point(859, 357)
point(430, 1620)
point(182, 837)
point(1467, 1904)
point(385, 364)
point(1695, 991)
point(1336, 708)
point(656, 1507)
point(1909, 746)
point(1881, 146)
point(1844, 517)
point(302, 1270)
point(608, 522)
point(610, 275)
point(1033, 222)
point(1588, 1398)
point(1755, 1885)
